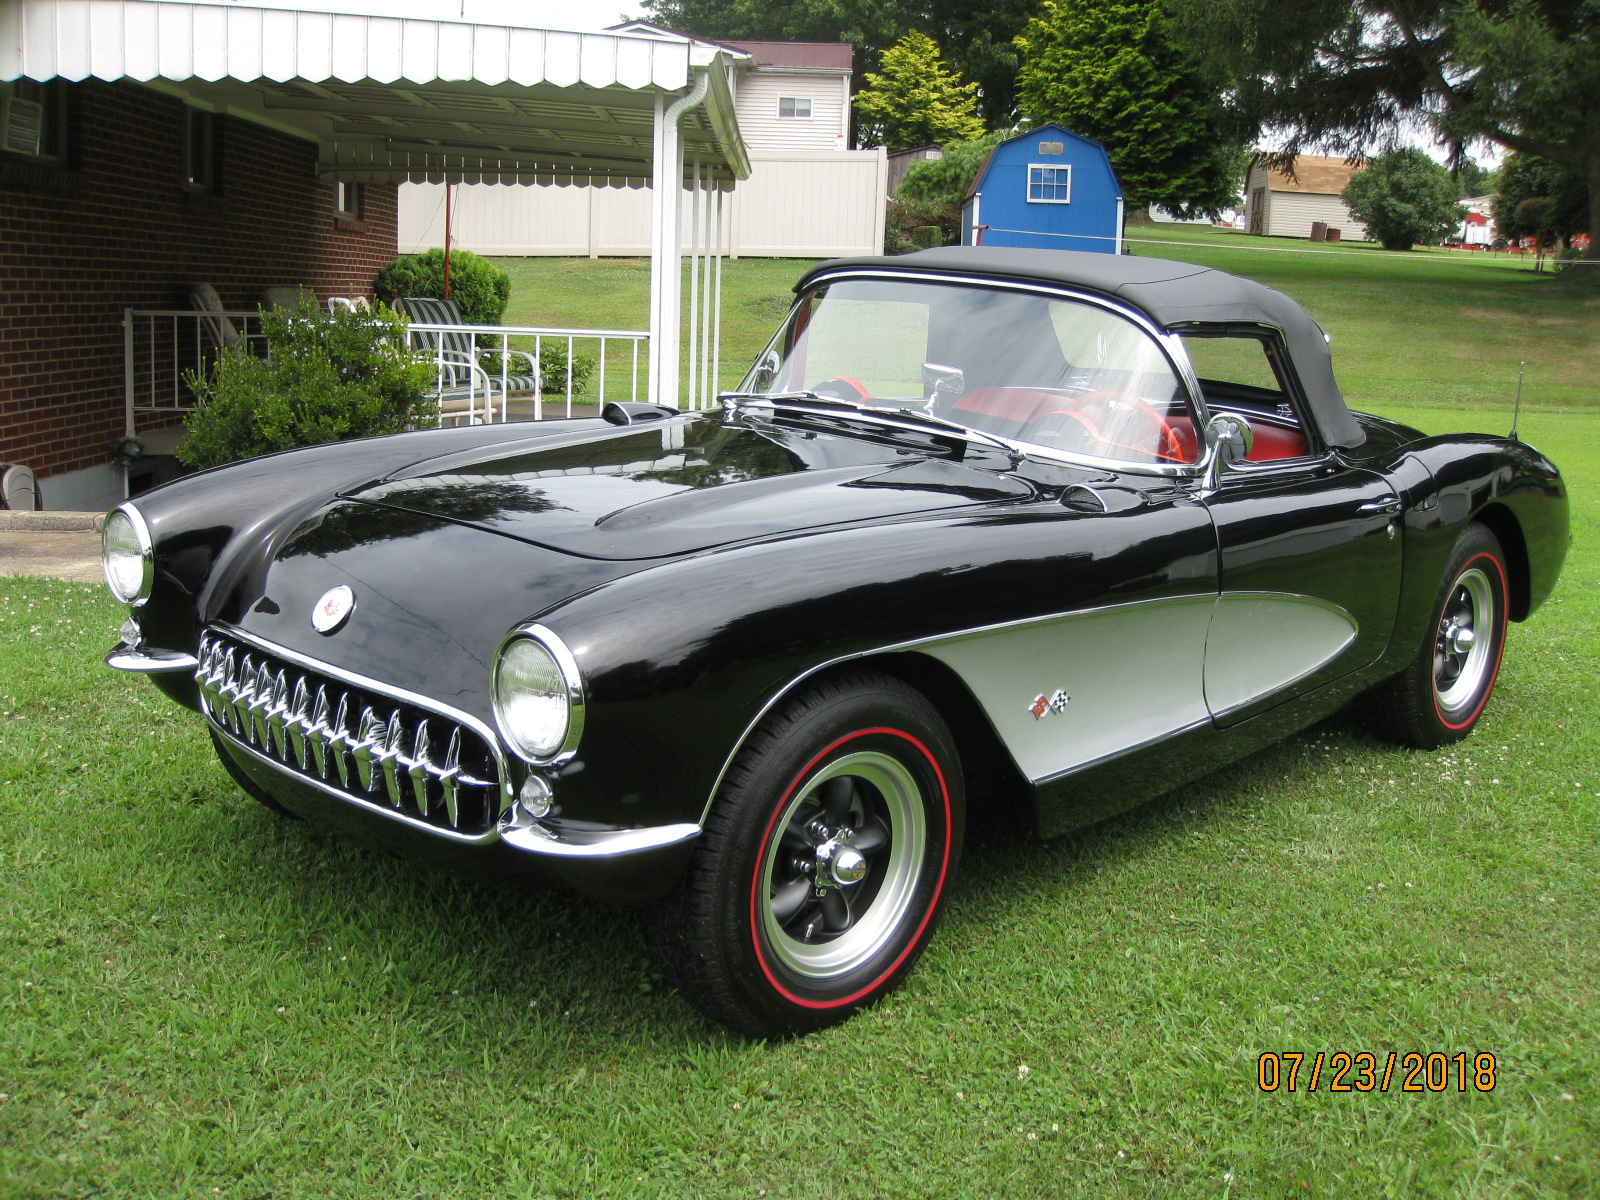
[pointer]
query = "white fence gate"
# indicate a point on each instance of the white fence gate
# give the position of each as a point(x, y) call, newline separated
point(796, 204)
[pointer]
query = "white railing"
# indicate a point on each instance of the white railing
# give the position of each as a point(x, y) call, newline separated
point(613, 360)
point(160, 347)
point(163, 347)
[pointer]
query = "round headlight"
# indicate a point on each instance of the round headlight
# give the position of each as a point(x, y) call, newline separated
point(127, 557)
point(538, 698)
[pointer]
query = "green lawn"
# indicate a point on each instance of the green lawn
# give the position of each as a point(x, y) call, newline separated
point(198, 998)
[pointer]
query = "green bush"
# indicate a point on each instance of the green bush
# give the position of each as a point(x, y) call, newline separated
point(328, 377)
point(480, 289)
point(1404, 197)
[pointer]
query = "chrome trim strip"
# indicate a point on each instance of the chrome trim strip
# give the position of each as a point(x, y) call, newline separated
point(894, 647)
point(567, 664)
point(534, 838)
point(338, 739)
point(150, 662)
point(147, 555)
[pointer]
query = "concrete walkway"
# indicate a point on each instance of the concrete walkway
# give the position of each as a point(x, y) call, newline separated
point(60, 545)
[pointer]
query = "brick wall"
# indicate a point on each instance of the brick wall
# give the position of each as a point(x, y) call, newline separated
point(116, 227)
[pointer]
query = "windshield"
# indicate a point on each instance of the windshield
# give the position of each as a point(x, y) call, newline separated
point(1050, 371)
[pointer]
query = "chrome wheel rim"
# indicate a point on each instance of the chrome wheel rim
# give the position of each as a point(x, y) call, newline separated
point(1463, 646)
point(840, 872)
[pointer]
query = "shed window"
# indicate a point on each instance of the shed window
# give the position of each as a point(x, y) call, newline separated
point(794, 107)
point(1049, 185)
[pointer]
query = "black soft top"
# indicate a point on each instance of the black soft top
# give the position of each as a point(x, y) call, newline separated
point(1171, 294)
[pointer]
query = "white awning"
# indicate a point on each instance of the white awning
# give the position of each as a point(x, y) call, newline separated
point(391, 99)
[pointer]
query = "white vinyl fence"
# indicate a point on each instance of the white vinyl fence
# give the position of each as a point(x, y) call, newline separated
point(796, 204)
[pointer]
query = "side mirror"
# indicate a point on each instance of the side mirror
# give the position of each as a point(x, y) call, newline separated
point(939, 381)
point(766, 371)
point(1229, 439)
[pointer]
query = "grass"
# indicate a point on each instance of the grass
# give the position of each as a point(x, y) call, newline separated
point(198, 998)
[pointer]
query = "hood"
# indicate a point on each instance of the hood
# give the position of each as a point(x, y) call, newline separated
point(681, 485)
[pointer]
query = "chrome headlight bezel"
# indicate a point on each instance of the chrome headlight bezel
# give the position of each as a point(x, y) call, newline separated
point(554, 750)
point(144, 547)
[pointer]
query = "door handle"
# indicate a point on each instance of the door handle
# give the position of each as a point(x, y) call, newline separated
point(1385, 504)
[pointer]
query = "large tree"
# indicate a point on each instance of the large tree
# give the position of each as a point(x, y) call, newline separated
point(976, 34)
point(915, 100)
point(1540, 199)
point(1113, 71)
point(1347, 75)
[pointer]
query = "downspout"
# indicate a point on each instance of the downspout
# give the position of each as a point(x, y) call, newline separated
point(665, 253)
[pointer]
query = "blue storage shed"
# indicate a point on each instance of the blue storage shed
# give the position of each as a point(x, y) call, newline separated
point(1047, 189)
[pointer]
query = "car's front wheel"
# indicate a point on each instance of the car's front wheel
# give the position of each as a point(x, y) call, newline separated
point(1440, 696)
point(824, 863)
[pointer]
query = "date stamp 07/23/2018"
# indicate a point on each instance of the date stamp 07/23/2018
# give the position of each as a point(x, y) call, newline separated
point(1341, 1071)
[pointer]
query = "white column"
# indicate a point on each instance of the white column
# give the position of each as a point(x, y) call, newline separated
point(666, 254)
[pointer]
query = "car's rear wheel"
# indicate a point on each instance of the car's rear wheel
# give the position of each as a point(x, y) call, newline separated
point(1440, 696)
point(823, 865)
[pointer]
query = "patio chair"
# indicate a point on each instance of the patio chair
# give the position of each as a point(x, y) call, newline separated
point(223, 333)
point(460, 381)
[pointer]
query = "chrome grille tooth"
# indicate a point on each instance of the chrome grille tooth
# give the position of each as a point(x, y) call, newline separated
point(278, 714)
point(317, 735)
point(421, 767)
point(448, 778)
point(342, 741)
point(299, 720)
point(367, 741)
point(390, 756)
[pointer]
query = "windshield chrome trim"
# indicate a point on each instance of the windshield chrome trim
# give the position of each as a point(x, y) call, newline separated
point(1171, 345)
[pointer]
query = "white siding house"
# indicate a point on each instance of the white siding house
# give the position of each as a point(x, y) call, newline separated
point(1280, 204)
point(808, 195)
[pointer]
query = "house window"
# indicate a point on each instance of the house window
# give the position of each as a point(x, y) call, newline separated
point(33, 120)
point(792, 108)
point(199, 149)
point(1049, 185)
point(347, 201)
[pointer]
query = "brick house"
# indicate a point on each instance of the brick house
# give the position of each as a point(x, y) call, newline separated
point(128, 206)
point(151, 145)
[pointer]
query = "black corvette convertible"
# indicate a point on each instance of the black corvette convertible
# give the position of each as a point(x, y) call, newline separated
point(1074, 528)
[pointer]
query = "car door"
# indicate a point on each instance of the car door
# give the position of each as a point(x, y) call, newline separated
point(1309, 545)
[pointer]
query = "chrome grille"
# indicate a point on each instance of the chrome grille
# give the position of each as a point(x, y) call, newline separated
point(352, 738)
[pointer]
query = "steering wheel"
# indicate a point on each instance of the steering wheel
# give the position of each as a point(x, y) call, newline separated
point(843, 387)
point(1168, 445)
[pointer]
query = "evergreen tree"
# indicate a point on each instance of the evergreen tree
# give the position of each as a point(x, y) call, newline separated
point(1112, 70)
point(915, 100)
point(1540, 199)
point(1404, 197)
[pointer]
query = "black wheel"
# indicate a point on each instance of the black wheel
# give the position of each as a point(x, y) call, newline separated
point(1439, 697)
point(244, 781)
point(823, 866)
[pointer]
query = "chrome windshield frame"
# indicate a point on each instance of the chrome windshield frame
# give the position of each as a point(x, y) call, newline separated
point(1171, 346)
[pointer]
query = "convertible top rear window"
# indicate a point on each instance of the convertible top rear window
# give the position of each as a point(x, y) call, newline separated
point(1050, 371)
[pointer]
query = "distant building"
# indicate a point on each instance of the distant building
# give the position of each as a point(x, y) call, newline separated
point(1280, 203)
point(1047, 189)
point(1477, 221)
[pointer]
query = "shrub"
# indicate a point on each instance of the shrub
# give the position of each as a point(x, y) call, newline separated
point(918, 224)
point(1403, 198)
point(328, 377)
point(480, 289)
point(553, 370)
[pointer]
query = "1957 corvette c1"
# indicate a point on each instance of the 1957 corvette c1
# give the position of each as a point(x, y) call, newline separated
point(1076, 527)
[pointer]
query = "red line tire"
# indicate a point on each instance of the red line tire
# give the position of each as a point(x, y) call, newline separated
point(1438, 699)
point(824, 864)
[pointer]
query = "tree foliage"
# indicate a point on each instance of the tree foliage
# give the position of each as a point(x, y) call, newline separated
point(480, 289)
point(1540, 199)
point(931, 193)
point(1346, 74)
point(329, 376)
point(977, 37)
point(915, 100)
point(1404, 197)
point(1113, 70)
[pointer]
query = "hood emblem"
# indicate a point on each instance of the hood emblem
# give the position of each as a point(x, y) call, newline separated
point(333, 609)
